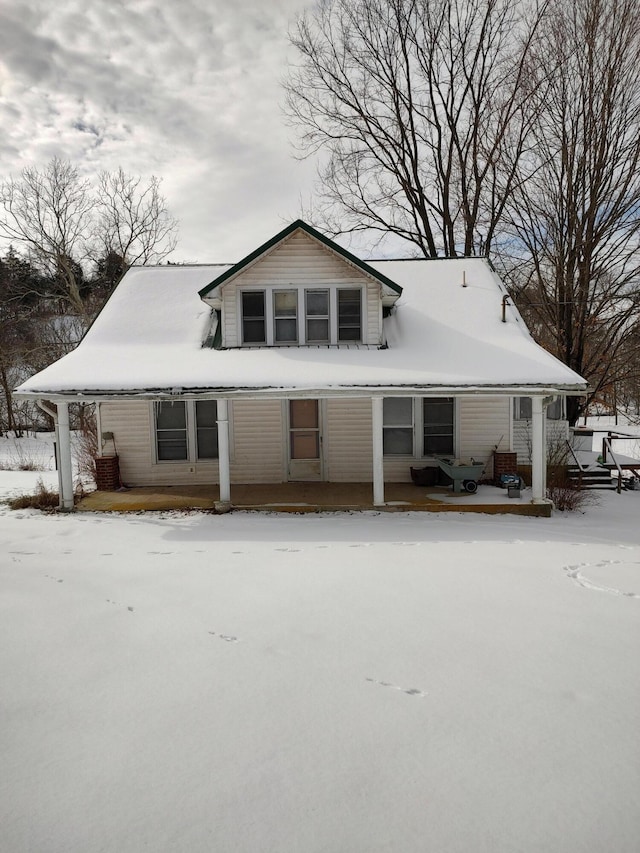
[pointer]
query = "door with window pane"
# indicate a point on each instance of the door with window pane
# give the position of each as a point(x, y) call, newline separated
point(305, 440)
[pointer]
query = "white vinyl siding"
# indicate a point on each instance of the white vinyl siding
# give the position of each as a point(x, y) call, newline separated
point(258, 442)
point(303, 263)
point(348, 440)
point(131, 423)
point(398, 427)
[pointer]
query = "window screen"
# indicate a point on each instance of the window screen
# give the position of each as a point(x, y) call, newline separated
point(437, 419)
point(171, 431)
point(207, 429)
point(253, 317)
point(397, 435)
point(349, 315)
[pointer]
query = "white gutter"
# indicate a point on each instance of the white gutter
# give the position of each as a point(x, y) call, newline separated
point(305, 393)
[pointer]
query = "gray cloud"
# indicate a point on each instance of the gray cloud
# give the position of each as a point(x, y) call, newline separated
point(188, 91)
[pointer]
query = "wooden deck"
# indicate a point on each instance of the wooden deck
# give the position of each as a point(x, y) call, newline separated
point(313, 497)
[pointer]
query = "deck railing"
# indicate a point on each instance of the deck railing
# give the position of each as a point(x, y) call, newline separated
point(606, 445)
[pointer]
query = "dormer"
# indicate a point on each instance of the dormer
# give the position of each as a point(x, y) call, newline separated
point(300, 289)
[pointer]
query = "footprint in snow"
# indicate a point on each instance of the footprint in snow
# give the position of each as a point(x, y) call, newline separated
point(57, 580)
point(130, 609)
point(577, 572)
point(228, 638)
point(410, 691)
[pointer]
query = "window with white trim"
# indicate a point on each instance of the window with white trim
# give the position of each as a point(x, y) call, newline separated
point(206, 427)
point(186, 431)
point(290, 316)
point(285, 316)
point(522, 410)
point(418, 427)
point(171, 431)
point(397, 426)
point(349, 314)
point(253, 317)
point(318, 329)
point(438, 426)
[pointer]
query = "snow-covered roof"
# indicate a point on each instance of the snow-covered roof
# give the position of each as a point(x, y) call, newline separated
point(442, 337)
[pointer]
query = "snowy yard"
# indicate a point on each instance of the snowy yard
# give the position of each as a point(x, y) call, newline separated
point(337, 683)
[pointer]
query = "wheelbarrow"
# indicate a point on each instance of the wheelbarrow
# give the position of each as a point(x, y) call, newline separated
point(463, 472)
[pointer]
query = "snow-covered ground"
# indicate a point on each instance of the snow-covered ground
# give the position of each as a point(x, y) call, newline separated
point(350, 682)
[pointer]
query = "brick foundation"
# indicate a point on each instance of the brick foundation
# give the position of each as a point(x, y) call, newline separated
point(504, 463)
point(107, 473)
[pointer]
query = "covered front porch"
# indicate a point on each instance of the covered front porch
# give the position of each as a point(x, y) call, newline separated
point(313, 497)
point(329, 489)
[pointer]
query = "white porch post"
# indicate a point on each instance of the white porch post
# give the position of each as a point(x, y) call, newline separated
point(65, 473)
point(378, 462)
point(538, 451)
point(223, 452)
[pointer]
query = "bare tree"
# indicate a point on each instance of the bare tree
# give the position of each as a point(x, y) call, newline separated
point(48, 213)
point(133, 221)
point(421, 114)
point(576, 212)
point(64, 222)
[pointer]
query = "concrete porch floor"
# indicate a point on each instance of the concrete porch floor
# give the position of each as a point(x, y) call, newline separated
point(313, 497)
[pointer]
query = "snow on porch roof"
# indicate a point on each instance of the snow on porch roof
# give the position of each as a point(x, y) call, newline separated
point(442, 336)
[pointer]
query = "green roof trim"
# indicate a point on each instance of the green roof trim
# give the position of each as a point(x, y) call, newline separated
point(281, 235)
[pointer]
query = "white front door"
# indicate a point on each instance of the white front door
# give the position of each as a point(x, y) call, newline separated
point(305, 440)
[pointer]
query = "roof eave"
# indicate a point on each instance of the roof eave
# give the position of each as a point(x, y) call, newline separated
point(98, 395)
point(205, 292)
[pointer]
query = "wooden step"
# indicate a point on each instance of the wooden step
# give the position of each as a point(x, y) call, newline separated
point(596, 478)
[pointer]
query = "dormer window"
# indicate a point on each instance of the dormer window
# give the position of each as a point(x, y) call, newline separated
point(285, 316)
point(349, 315)
point(328, 315)
point(317, 316)
point(253, 317)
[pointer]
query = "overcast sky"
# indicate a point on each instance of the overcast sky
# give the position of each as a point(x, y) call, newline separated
point(188, 90)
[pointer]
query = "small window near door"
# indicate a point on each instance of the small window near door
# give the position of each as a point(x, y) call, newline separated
point(253, 317)
point(438, 426)
point(349, 315)
point(397, 431)
point(207, 429)
point(171, 431)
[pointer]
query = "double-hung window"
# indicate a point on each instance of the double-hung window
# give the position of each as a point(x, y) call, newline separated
point(522, 410)
point(418, 427)
point(349, 314)
point(438, 426)
point(285, 316)
point(397, 429)
point(171, 431)
point(253, 317)
point(206, 429)
point(282, 316)
point(318, 330)
point(186, 431)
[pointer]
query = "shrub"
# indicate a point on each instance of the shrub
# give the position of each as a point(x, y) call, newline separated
point(43, 498)
point(567, 495)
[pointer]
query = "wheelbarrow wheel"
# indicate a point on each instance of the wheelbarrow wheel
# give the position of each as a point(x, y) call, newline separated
point(470, 486)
